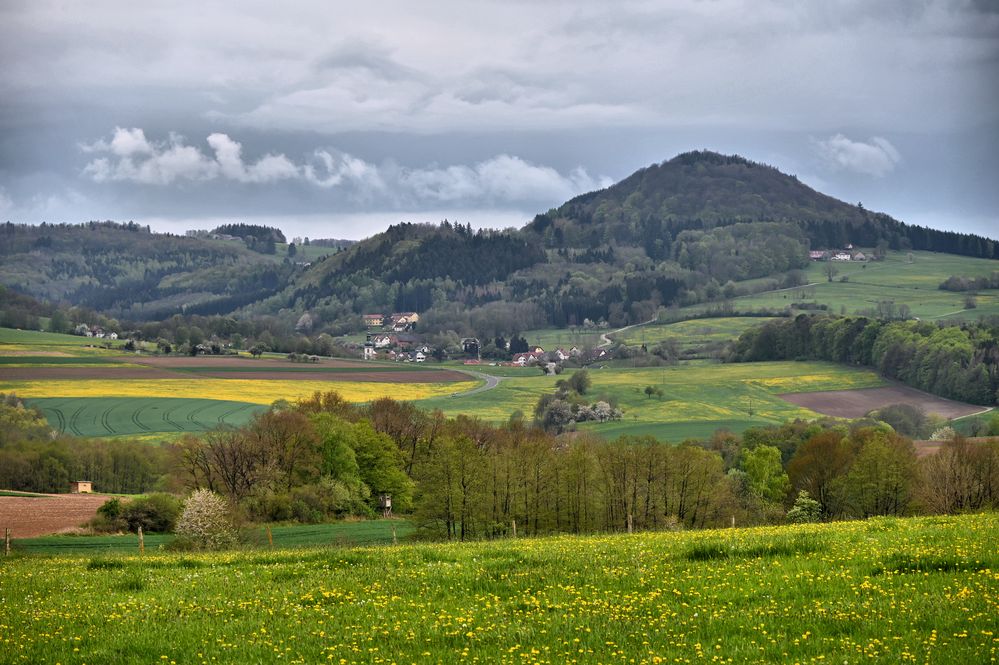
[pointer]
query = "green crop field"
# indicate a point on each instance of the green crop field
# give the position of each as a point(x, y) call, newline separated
point(369, 532)
point(115, 416)
point(692, 335)
point(910, 283)
point(881, 591)
point(698, 397)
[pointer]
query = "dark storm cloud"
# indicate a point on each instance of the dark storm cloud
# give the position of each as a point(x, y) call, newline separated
point(388, 108)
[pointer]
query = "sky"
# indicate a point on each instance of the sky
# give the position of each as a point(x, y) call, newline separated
point(335, 120)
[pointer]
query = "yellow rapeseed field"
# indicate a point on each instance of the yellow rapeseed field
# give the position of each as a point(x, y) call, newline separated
point(264, 391)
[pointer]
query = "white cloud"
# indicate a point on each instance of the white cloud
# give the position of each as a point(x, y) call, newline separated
point(877, 157)
point(6, 204)
point(503, 177)
point(130, 157)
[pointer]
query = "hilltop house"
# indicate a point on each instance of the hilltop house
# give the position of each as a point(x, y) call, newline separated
point(403, 321)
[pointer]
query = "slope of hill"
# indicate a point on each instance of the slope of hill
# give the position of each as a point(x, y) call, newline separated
point(126, 271)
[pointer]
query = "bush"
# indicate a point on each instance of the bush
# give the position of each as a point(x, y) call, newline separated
point(156, 513)
point(205, 522)
point(805, 509)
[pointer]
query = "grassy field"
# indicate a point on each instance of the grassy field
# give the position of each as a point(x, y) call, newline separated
point(693, 336)
point(698, 397)
point(116, 416)
point(552, 338)
point(371, 532)
point(914, 284)
point(882, 591)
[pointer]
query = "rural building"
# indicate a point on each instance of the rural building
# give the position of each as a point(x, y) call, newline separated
point(374, 320)
point(530, 358)
point(859, 256)
point(81, 487)
point(470, 345)
point(818, 255)
point(369, 351)
point(382, 341)
point(841, 256)
point(403, 321)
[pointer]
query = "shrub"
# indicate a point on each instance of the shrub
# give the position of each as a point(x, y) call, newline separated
point(805, 509)
point(156, 513)
point(205, 522)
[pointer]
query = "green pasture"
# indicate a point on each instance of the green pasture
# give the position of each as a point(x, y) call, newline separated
point(61, 361)
point(912, 283)
point(694, 335)
point(368, 532)
point(14, 343)
point(698, 396)
point(550, 339)
point(116, 416)
point(886, 590)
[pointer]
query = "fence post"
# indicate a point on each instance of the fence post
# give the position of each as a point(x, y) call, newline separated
point(514, 523)
point(142, 542)
point(6, 541)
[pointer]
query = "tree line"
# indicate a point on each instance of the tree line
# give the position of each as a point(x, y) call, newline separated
point(461, 478)
point(958, 361)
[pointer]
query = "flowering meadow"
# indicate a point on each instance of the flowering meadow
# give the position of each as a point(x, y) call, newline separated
point(885, 590)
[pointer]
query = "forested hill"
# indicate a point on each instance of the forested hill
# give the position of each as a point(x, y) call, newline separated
point(126, 271)
point(702, 190)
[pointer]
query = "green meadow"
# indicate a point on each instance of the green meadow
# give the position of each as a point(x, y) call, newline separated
point(912, 283)
point(550, 339)
point(698, 396)
point(340, 534)
point(886, 590)
point(694, 335)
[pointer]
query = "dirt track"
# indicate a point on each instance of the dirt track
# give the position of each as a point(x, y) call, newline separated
point(858, 403)
point(84, 373)
point(168, 362)
point(47, 513)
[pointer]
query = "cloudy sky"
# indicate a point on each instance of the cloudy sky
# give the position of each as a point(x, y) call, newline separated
point(334, 120)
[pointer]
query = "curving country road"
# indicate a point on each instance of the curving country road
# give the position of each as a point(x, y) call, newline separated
point(491, 382)
point(606, 341)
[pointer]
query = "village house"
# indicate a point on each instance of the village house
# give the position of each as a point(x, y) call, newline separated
point(818, 255)
point(470, 345)
point(383, 341)
point(403, 321)
point(841, 256)
point(529, 358)
point(420, 357)
point(374, 320)
point(561, 355)
point(859, 256)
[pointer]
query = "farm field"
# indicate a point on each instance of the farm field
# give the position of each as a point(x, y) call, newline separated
point(857, 403)
point(552, 338)
point(692, 335)
point(28, 515)
point(118, 416)
point(881, 591)
point(914, 284)
point(339, 534)
point(698, 398)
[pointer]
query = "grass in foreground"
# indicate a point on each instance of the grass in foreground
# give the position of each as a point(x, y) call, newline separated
point(884, 591)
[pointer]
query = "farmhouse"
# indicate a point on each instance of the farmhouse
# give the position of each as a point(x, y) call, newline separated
point(374, 320)
point(841, 256)
point(81, 487)
point(383, 341)
point(530, 358)
point(818, 255)
point(403, 321)
point(561, 354)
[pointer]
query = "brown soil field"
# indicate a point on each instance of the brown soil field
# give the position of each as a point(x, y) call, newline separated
point(175, 362)
point(415, 376)
point(84, 373)
point(926, 447)
point(860, 402)
point(47, 513)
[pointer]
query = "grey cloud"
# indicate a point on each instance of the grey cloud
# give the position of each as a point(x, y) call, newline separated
point(877, 157)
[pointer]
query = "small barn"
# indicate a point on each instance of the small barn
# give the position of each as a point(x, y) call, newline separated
point(81, 487)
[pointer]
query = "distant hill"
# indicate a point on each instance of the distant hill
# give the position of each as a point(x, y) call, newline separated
point(699, 227)
point(126, 271)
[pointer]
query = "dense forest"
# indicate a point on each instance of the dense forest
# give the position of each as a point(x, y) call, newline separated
point(959, 362)
point(464, 479)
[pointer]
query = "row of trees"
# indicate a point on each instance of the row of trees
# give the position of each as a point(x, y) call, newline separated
point(955, 361)
point(465, 479)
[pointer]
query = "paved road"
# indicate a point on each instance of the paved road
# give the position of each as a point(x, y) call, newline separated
point(491, 382)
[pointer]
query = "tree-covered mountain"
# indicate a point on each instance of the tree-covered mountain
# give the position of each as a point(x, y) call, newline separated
point(702, 190)
point(128, 272)
point(696, 228)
